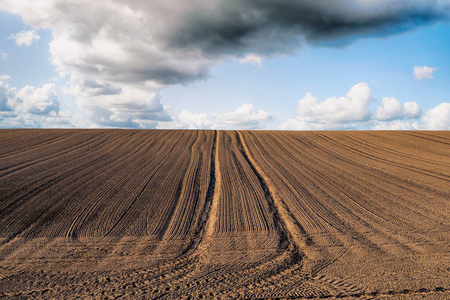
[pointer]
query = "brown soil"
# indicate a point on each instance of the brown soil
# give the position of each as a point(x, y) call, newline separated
point(178, 214)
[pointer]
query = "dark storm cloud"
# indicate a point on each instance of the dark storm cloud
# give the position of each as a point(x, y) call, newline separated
point(268, 27)
point(151, 43)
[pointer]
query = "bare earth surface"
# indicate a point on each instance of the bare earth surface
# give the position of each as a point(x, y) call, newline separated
point(224, 214)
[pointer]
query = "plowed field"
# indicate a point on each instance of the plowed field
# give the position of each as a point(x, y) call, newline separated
point(163, 214)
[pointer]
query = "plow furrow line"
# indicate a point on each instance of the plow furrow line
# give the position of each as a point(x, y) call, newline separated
point(401, 165)
point(36, 194)
point(47, 177)
point(312, 194)
point(202, 231)
point(280, 214)
point(10, 169)
point(190, 214)
point(29, 144)
point(338, 201)
point(214, 191)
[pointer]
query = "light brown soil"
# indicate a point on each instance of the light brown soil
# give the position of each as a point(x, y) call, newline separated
point(224, 214)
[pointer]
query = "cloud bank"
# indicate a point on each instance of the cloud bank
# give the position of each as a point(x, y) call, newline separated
point(114, 48)
point(244, 117)
point(32, 107)
point(355, 110)
point(134, 41)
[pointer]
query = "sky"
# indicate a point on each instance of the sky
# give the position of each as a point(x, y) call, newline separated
point(216, 64)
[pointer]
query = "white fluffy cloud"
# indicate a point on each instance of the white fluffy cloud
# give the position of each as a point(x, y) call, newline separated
point(397, 125)
point(38, 101)
point(128, 107)
point(252, 59)
point(188, 120)
point(437, 118)
point(7, 96)
point(64, 119)
point(390, 109)
point(244, 117)
point(29, 100)
point(26, 37)
point(5, 77)
point(392, 116)
point(296, 124)
point(424, 72)
point(33, 107)
point(194, 121)
point(334, 112)
point(354, 111)
point(108, 104)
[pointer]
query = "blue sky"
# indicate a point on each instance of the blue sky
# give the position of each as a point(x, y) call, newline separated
point(57, 73)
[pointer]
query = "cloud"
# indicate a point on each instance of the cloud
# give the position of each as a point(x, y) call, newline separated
point(252, 59)
point(7, 95)
point(188, 120)
point(333, 113)
point(135, 42)
point(5, 77)
point(123, 52)
point(423, 72)
point(25, 37)
point(3, 55)
point(244, 117)
point(354, 111)
point(390, 109)
point(64, 119)
point(117, 42)
point(296, 124)
point(89, 87)
point(129, 107)
point(233, 26)
point(437, 118)
point(29, 100)
point(194, 121)
point(396, 125)
point(111, 105)
point(33, 107)
point(38, 101)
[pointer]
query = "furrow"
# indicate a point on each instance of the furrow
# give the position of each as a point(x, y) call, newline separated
point(289, 230)
point(201, 231)
point(187, 214)
point(214, 191)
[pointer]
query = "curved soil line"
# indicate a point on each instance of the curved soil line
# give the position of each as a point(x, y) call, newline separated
point(210, 207)
point(280, 214)
point(212, 196)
